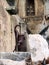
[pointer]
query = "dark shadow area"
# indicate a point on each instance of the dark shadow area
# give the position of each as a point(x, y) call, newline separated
point(30, 2)
point(20, 41)
point(47, 18)
point(44, 30)
point(11, 2)
point(43, 33)
point(28, 31)
point(30, 8)
point(48, 40)
point(12, 12)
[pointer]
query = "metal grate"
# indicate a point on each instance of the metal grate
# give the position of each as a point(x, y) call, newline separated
point(30, 9)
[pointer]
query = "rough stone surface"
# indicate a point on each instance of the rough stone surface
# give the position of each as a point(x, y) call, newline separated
point(5, 4)
point(38, 47)
point(37, 25)
point(40, 7)
point(22, 7)
point(5, 30)
point(10, 62)
point(15, 58)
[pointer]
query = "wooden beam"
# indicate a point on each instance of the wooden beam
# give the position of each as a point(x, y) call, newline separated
point(31, 17)
point(36, 6)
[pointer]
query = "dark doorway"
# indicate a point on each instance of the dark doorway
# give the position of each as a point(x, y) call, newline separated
point(30, 8)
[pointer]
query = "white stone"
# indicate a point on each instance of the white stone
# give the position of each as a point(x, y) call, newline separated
point(38, 47)
point(11, 62)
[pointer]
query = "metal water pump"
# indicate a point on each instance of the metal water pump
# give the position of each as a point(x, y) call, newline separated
point(20, 36)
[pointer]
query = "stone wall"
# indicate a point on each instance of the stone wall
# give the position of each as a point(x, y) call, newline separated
point(40, 7)
point(5, 30)
point(21, 8)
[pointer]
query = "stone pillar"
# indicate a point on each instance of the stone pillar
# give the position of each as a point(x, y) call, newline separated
point(39, 7)
point(36, 6)
point(22, 8)
point(5, 31)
